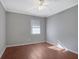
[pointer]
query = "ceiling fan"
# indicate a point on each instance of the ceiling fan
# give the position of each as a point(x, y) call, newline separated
point(42, 4)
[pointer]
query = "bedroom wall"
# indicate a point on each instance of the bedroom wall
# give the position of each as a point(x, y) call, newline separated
point(19, 29)
point(2, 30)
point(62, 28)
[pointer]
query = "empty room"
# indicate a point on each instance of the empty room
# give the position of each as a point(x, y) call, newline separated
point(38, 29)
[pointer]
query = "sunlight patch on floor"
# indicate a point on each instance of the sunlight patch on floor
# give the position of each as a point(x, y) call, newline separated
point(58, 47)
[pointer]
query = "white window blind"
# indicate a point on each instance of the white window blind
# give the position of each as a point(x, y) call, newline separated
point(35, 26)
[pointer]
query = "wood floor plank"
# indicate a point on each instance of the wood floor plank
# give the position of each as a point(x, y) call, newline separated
point(38, 51)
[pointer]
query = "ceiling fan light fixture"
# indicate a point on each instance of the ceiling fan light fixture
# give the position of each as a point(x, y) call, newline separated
point(41, 2)
point(40, 7)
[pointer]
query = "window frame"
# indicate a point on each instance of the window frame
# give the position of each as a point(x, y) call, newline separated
point(35, 26)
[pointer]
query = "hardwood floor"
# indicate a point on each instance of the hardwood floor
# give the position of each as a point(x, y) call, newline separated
point(38, 51)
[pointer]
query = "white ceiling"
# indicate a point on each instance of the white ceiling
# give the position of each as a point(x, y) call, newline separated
point(30, 7)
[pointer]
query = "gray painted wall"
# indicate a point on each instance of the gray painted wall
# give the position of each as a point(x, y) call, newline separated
point(2, 30)
point(19, 29)
point(62, 28)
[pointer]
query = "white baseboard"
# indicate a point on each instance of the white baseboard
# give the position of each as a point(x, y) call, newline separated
point(3, 50)
point(13, 45)
point(53, 43)
point(73, 51)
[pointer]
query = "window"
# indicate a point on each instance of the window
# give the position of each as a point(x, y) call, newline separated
point(35, 26)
